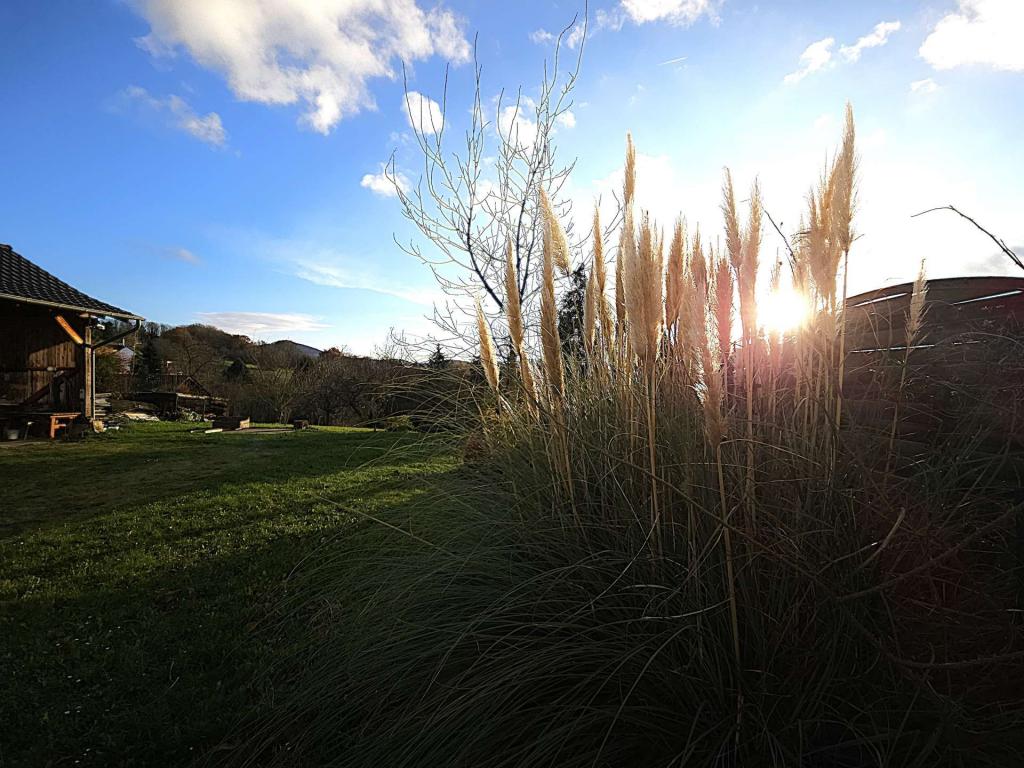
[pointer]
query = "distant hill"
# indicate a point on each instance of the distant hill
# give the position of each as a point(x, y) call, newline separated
point(293, 347)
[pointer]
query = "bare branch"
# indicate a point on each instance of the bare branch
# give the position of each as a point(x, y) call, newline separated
point(469, 200)
point(1001, 243)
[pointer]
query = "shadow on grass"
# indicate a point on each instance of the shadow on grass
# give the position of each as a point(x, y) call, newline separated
point(57, 484)
point(128, 642)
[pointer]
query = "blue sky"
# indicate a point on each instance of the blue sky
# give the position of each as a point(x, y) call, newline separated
point(213, 160)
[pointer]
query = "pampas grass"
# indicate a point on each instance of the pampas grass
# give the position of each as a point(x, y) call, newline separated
point(558, 243)
point(599, 271)
point(551, 343)
point(514, 315)
point(590, 314)
point(915, 320)
point(722, 310)
point(642, 280)
point(488, 355)
point(674, 277)
point(665, 564)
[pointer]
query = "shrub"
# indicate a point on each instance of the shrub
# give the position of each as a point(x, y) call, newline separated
point(399, 424)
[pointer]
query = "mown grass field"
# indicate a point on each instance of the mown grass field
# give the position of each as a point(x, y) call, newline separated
point(141, 574)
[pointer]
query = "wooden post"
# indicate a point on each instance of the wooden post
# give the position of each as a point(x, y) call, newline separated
point(89, 373)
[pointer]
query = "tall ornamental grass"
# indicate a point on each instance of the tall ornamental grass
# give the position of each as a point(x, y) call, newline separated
point(682, 547)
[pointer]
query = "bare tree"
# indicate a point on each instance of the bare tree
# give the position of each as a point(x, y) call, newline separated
point(191, 353)
point(342, 385)
point(471, 201)
point(278, 380)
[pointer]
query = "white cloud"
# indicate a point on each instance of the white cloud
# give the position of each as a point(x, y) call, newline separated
point(321, 53)
point(517, 123)
point(331, 272)
point(380, 184)
point(877, 37)
point(613, 19)
point(924, 86)
point(542, 37)
point(982, 32)
point(567, 119)
point(257, 324)
point(575, 36)
point(681, 13)
point(206, 128)
point(177, 113)
point(816, 56)
point(571, 40)
point(424, 114)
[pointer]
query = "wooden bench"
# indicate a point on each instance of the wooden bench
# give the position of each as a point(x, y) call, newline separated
point(59, 421)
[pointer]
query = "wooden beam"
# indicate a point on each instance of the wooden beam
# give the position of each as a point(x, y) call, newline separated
point(44, 390)
point(69, 330)
point(47, 369)
point(89, 379)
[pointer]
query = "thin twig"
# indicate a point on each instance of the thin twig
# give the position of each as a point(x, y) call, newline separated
point(1001, 243)
point(785, 240)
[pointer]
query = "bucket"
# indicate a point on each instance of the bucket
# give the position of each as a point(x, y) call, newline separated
point(12, 434)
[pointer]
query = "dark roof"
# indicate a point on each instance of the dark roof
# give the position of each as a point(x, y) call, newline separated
point(21, 280)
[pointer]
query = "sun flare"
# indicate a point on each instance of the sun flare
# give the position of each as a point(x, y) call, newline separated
point(783, 310)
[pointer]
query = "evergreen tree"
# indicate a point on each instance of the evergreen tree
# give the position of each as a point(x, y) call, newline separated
point(150, 369)
point(570, 314)
point(236, 371)
point(438, 361)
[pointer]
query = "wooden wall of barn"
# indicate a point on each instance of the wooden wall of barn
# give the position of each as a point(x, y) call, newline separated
point(34, 350)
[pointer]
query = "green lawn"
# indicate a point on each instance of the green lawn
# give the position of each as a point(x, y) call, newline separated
point(141, 574)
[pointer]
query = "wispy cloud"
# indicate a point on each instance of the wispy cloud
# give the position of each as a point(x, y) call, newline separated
point(338, 275)
point(676, 60)
point(877, 37)
point(183, 254)
point(323, 55)
point(815, 56)
point(316, 261)
point(924, 86)
point(570, 39)
point(258, 324)
point(175, 112)
point(982, 32)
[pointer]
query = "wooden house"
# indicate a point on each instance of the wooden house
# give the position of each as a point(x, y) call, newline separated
point(49, 332)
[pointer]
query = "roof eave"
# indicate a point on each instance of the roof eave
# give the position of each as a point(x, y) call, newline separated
point(113, 312)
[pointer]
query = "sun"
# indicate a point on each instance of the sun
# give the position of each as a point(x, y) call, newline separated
point(783, 310)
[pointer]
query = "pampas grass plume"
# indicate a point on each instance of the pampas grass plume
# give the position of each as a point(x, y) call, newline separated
point(488, 355)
